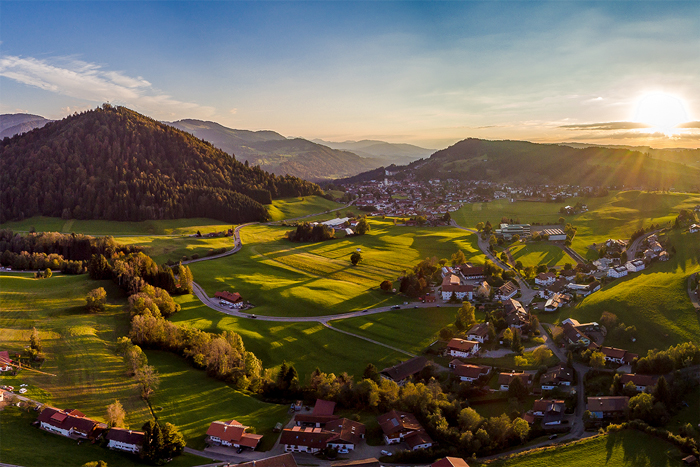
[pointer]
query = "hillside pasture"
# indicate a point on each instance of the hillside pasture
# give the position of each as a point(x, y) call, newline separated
point(536, 253)
point(283, 278)
point(174, 248)
point(290, 208)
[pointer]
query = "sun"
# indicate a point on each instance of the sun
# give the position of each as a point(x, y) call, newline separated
point(662, 112)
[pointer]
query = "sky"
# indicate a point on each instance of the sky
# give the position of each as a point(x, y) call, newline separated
point(426, 73)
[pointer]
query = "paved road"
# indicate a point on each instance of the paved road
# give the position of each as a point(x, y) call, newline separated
point(632, 248)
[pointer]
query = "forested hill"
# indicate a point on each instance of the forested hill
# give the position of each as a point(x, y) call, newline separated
point(113, 163)
point(522, 162)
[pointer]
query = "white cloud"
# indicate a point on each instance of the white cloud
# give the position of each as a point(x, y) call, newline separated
point(89, 81)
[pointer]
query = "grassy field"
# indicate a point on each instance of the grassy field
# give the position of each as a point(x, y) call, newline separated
point(290, 208)
point(25, 445)
point(412, 330)
point(308, 279)
point(534, 254)
point(654, 300)
point(306, 345)
point(161, 249)
point(190, 400)
point(624, 449)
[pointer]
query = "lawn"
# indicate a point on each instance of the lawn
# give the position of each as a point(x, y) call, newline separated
point(306, 345)
point(624, 449)
point(508, 361)
point(534, 254)
point(654, 300)
point(412, 330)
point(190, 400)
point(25, 445)
point(290, 208)
point(690, 414)
point(309, 279)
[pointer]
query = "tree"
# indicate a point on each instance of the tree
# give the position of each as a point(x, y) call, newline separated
point(507, 337)
point(362, 227)
point(47, 273)
point(355, 258)
point(519, 265)
point(95, 300)
point(641, 406)
point(568, 267)
point(161, 442)
point(562, 221)
point(34, 340)
point(480, 226)
point(517, 389)
point(372, 373)
point(469, 419)
point(662, 392)
point(458, 258)
point(516, 345)
point(520, 429)
point(386, 285)
point(148, 379)
point(597, 360)
point(542, 354)
point(115, 414)
point(465, 316)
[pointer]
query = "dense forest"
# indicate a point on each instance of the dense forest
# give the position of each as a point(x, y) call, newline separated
point(113, 163)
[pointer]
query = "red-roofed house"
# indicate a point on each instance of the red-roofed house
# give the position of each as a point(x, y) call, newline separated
point(397, 425)
point(470, 373)
point(298, 439)
point(232, 433)
point(418, 440)
point(5, 361)
point(641, 382)
point(504, 379)
point(450, 462)
point(462, 348)
point(228, 297)
point(322, 414)
point(70, 423)
point(348, 434)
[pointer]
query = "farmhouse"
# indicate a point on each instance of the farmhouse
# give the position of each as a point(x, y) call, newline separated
point(545, 278)
point(232, 433)
point(452, 284)
point(319, 416)
point(401, 372)
point(635, 266)
point(506, 291)
point(228, 298)
point(125, 440)
point(641, 382)
point(567, 274)
point(69, 423)
point(557, 301)
point(558, 286)
point(559, 375)
point(472, 272)
point(618, 272)
point(554, 235)
point(551, 410)
point(348, 434)
point(574, 336)
point(418, 440)
point(479, 332)
point(516, 315)
point(462, 348)
point(5, 361)
point(607, 407)
point(450, 462)
point(469, 373)
point(311, 440)
point(484, 290)
point(504, 379)
point(397, 425)
point(283, 460)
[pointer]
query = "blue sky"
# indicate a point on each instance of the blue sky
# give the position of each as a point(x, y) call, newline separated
point(426, 73)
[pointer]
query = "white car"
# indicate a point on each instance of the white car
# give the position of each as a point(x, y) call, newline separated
point(23, 390)
point(385, 453)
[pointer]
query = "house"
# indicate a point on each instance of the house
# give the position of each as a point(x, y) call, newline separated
point(554, 235)
point(545, 278)
point(690, 460)
point(5, 361)
point(641, 382)
point(664, 256)
point(655, 246)
point(635, 265)
point(584, 290)
point(462, 348)
point(450, 462)
point(228, 298)
point(619, 356)
point(516, 315)
point(369, 462)
point(472, 272)
point(558, 286)
point(469, 373)
point(559, 375)
point(348, 434)
point(283, 460)
point(504, 379)
point(607, 407)
point(484, 290)
point(233, 434)
point(418, 440)
point(506, 291)
point(479, 332)
point(125, 440)
point(319, 416)
point(557, 301)
point(695, 228)
point(69, 423)
point(452, 284)
point(397, 425)
point(574, 336)
point(551, 411)
point(429, 298)
point(299, 439)
point(618, 272)
point(401, 372)
point(568, 274)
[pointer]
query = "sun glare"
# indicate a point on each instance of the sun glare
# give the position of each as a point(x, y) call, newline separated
point(662, 112)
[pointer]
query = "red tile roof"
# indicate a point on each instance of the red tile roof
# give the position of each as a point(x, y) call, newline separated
point(228, 296)
point(450, 462)
point(125, 436)
point(5, 358)
point(315, 438)
point(417, 438)
point(396, 421)
point(284, 460)
point(471, 371)
point(346, 431)
point(324, 407)
point(461, 345)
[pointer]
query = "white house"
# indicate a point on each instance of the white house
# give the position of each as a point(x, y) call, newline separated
point(479, 332)
point(635, 265)
point(462, 348)
point(695, 228)
point(545, 278)
point(506, 291)
point(125, 440)
point(618, 272)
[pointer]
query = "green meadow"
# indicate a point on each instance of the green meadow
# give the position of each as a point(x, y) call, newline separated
point(311, 279)
point(162, 249)
point(306, 345)
point(654, 300)
point(623, 449)
point(534, 254)
point(290, 208)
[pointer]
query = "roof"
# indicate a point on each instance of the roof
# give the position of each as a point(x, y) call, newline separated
point(451, 279)
point(405, 369)
point(558, 373)
point(567, 272)
point(506, 378)
point(324, 407)
point(471, 270)
point(480, 330)
point(228, 296)
point(639, 380)
point(553, 232)
point(573, 334)
point(61, 419)
point(548, 405)
point(226, 431)
point(396, 421)
point(369, 462)
point(471, 371)
point(346, 430)
point(417, 438)
point(543, 276)
point(607, 404)
point(125, 436)
point(612, 352)
point(458, 288)
point(507, 288)
point(311, 418)
point(311, 437)
point(285, 460)
point(461, 344)
point(5, 357)
point(450, 462)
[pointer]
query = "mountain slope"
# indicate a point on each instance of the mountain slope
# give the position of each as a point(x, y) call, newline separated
point(14, 124)
point(399, 153)
point(280, 155)
point(113, 163)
